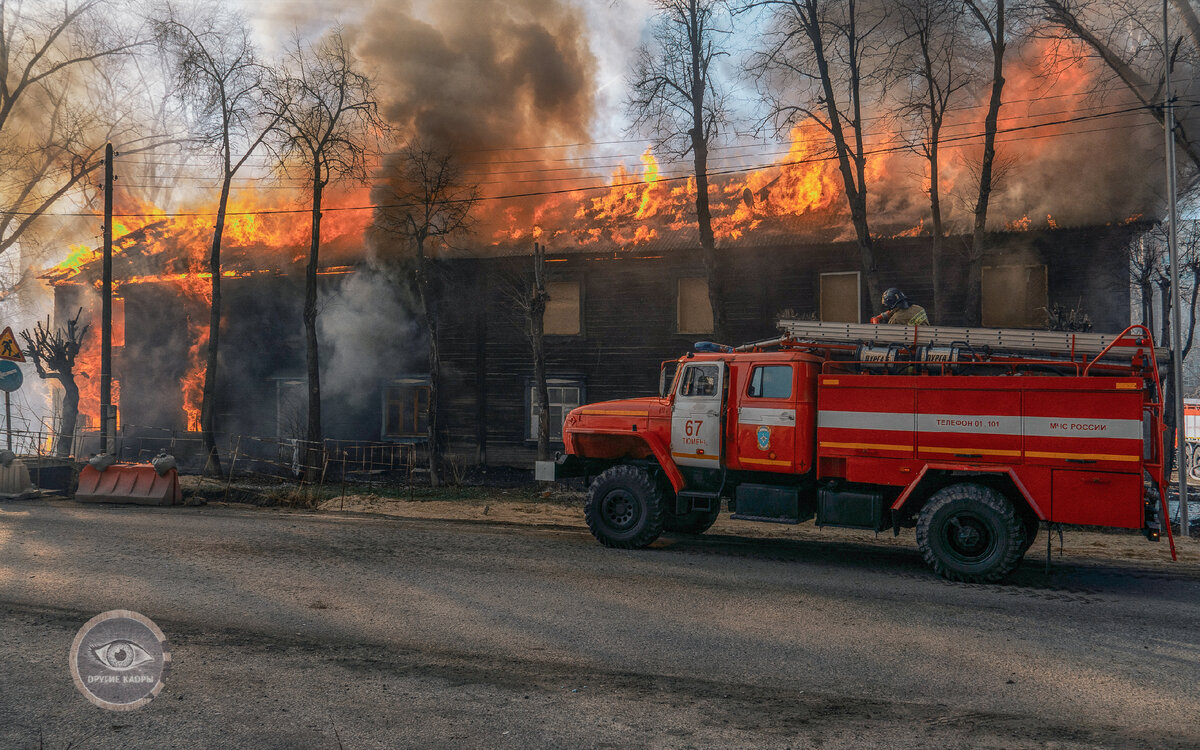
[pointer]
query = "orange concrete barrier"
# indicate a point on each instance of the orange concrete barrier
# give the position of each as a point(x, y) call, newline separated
point(129, 483)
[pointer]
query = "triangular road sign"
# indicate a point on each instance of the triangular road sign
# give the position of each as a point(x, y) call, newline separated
point(9, 348)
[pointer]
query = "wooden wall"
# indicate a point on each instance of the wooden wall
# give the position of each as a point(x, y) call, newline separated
point(629, 315)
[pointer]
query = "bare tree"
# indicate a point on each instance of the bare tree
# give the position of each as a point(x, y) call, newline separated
point(991, 20)
point(53, 68)
point(827, 53)
point(1127, 36)
point(325, 116)
point(527, 297)
point(53, 354)
point(675, 97)
point(931, 72)
point(425, 201)
point(1151, 271)
point(538, 297)
point(219, 80)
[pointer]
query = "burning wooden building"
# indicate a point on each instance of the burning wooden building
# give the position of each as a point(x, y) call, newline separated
point(614, 317)
point(371, 358)
point(627, 290)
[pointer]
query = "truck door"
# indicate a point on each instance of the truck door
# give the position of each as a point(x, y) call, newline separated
point(766, 420)
point(696, 419)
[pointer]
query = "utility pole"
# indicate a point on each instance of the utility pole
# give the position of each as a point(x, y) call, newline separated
point(106, 306)
point(1176, 300)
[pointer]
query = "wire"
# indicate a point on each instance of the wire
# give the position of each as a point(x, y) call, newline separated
point(952, 142)
point(664, 168)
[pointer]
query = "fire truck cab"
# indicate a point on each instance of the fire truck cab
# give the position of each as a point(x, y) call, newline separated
point(974, 447)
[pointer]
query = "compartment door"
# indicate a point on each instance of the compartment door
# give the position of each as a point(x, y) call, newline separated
point(1097, 498)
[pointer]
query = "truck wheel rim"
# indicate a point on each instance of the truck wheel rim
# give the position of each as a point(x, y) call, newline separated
point(619, 509)
point(968, 538)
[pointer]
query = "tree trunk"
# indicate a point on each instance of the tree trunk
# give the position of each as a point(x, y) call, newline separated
point(208, 402)
point(973, 311)
point(313, 438)
point(853, 176)
point(1147, 294)
point(708, 243)
point(936, 111)
point(66, 435)
point(537, 339)
point(1189, 336)
point(429, 318)
point(935, 207)
point(435, 374)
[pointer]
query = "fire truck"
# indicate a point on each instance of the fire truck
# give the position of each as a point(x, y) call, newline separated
point(976, 437)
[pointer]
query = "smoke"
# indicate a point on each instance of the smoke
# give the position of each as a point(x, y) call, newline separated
point(482, 78)
point(366, 335)
point(482, 75)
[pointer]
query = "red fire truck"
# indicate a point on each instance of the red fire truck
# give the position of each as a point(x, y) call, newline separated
point(974, 436)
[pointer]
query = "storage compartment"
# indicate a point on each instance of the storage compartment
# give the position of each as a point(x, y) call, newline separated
point(767, 502)
point(1094, 498)
point(856, 509)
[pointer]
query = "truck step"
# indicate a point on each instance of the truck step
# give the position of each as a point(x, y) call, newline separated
point(704, 501)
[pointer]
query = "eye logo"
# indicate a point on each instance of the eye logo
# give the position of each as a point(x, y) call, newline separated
point(121, 655)
point(119, 660)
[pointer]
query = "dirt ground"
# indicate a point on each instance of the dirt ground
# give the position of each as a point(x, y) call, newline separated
point(490, 618)
point(565, 509)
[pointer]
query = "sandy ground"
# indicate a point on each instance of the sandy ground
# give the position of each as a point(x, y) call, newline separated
point(497, 621)
point(561, 509)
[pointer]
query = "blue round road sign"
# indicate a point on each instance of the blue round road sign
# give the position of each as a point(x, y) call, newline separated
point(10, 376)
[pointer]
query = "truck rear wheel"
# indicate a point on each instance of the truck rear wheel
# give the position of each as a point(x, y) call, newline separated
point(969, 532)
point(624, 508)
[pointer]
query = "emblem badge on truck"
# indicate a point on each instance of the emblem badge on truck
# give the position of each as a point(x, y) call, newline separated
point(764, 437)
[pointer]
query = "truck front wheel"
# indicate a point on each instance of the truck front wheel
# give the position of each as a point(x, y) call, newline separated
point(970, 532)
point(624, 508)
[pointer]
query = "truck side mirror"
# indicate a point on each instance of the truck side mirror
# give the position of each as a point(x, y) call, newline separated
point(666, 377)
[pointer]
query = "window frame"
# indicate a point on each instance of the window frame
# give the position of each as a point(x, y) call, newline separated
point(582, 287)
point(1029, 324)
point(857, 295)
point(417, 382)
point(679, 306)
point(282, 382)
point(552, 381)
point(791, 381)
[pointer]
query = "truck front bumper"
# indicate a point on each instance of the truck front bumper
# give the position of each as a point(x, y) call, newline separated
point(564, 466)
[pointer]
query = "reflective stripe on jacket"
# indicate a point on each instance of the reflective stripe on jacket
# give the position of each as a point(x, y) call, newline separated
point(913, 315)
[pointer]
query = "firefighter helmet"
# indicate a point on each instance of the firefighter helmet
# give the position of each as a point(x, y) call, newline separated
point(894, 298)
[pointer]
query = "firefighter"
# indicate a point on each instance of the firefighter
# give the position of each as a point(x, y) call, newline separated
point(898, 310)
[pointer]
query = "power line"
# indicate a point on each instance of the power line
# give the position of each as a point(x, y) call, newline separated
point(664, 167)
point(664, 172)
point(952, 142)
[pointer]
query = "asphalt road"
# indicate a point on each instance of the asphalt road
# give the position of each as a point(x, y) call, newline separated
point(336, 630)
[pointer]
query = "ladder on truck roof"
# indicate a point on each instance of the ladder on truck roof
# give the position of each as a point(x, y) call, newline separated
point(1015, 340)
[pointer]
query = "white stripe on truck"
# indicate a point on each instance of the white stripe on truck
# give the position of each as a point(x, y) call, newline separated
point(982, 424)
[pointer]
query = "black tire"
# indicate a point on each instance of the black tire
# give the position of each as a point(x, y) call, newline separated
point(624, 508)
point(969, 532)
point(692, 522)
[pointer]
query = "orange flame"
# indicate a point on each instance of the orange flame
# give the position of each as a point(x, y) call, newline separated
point(160, 248)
